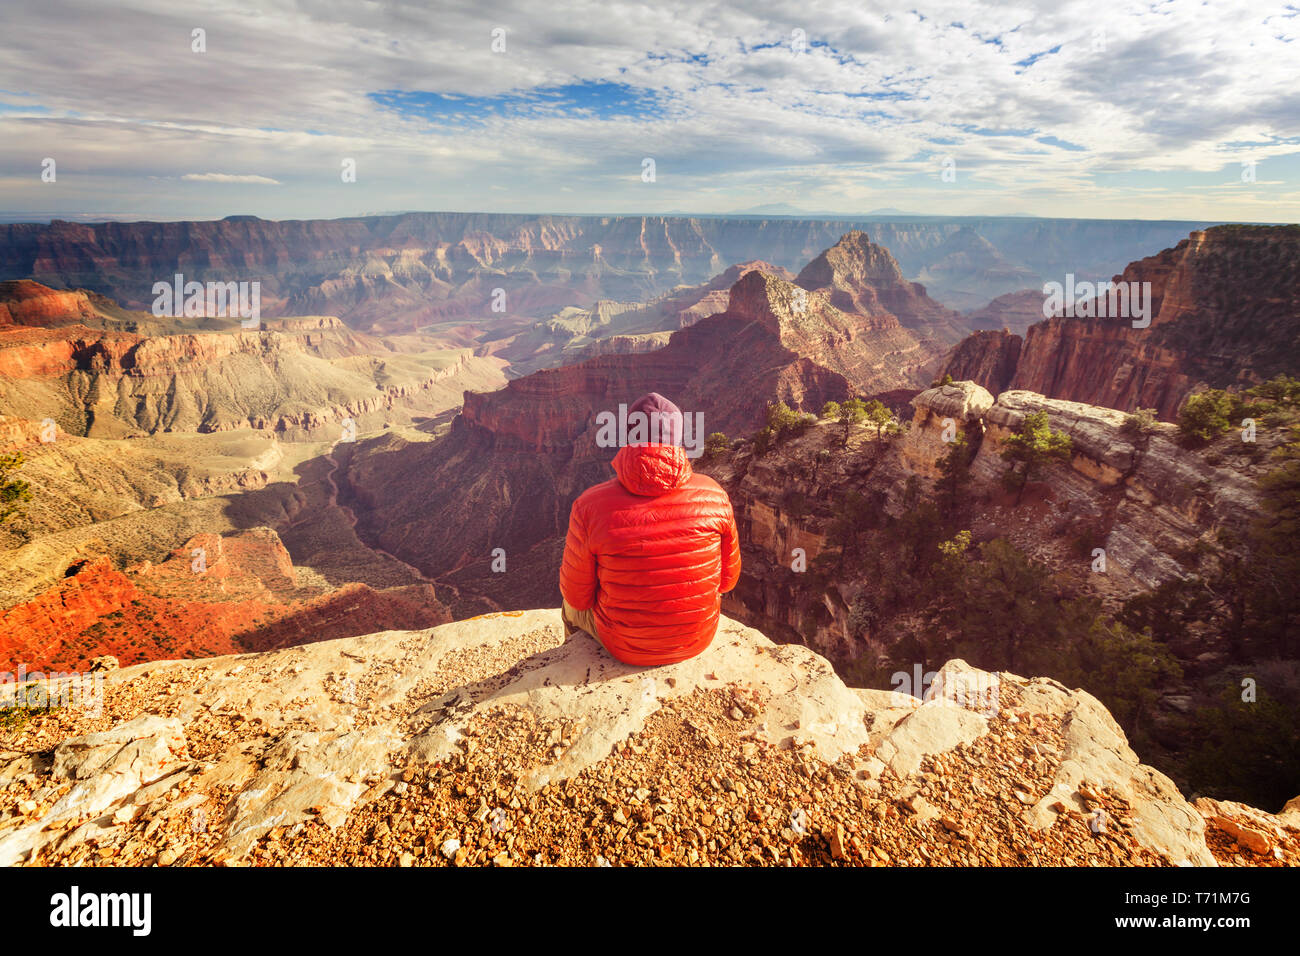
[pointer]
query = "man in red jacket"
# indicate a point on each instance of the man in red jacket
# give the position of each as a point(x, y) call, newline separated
point(650, 553)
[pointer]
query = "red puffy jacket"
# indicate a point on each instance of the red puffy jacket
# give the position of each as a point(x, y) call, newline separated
point(652, 551)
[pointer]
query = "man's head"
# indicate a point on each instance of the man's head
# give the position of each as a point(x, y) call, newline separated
point(663, 418)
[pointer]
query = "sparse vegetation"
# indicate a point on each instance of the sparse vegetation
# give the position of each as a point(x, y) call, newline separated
point(716, 445)
point(1214, 412)
point(1033, 446)
point(1140, 422)
point(14, 492)
point(782, 422)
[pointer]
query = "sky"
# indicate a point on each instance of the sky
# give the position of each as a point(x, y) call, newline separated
point(322, 109)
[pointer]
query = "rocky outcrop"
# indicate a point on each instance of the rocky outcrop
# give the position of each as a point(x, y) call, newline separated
point(944, 414)
point(1146, 500)
point(495, 740)
point(1151, 504)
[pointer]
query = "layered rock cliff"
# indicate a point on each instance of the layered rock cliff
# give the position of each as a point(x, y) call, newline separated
point(495, 741)
point(400, 272)
point(294, 376)
point(1224, 311)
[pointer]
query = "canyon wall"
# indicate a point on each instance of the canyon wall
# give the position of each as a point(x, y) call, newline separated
point(294, 376)
point(1224, 305)
point(402, 271)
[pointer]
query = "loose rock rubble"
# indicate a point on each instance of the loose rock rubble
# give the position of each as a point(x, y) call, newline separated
point(494, 741)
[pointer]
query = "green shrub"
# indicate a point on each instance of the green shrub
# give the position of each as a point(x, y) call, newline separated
point(1141, 422)
point(1033, 445)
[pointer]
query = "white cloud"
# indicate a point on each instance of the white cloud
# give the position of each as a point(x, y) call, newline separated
point(229, 178)
point(284, 87)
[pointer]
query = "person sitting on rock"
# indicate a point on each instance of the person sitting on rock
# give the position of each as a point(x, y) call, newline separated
point(650, 553)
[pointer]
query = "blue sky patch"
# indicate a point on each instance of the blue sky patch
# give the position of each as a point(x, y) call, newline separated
point(587, 100)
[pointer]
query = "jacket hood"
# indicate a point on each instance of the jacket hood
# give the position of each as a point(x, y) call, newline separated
point(652, 470)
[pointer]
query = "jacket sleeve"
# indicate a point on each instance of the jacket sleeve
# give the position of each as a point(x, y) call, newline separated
point(730, 553)
point(578, 569)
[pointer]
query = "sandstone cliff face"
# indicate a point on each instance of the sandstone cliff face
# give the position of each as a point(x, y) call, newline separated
point(494, 740)
point(987, 358)
point(1224, 310)
point(29, 303)
point(1147, 501)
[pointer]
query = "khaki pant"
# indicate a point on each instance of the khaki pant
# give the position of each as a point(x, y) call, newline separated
point(575, 620)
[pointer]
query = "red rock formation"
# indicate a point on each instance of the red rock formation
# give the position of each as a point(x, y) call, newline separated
point(987, 358)
point(242, 597)
point(1225, 310)
point(24, 302)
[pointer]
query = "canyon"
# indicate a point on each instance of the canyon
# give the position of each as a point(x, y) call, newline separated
point(471, 434)
point(403, 272)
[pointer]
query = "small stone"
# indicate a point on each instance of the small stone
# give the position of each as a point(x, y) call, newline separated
point(406, 860)
point(450, 847)
point(167, 857)
point(1251, 839)
point(837, 840)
